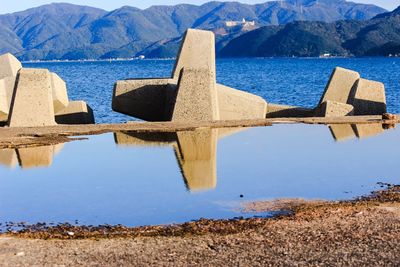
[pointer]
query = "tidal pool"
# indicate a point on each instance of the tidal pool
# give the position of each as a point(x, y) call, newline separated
point(137, 179)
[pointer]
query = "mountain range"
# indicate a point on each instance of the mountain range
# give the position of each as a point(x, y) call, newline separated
point(379, 36)
point(66, 31)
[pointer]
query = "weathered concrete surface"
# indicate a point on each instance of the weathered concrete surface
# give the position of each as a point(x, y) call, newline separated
point(32, 102)
point(34, 157)
point(196, 152)
point(334, 109)
point(283, 111)
point(144, 99)
point(368, 98)
point(8, 157)
point(342, 132)
point(196, 97)
point(59, 92)
point(7, 86)
point(9, 66)
point(77, 112)
point(197, 52)
point(238, 105)
point(340, 85)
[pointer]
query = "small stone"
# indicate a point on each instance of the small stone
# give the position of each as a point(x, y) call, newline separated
point(20, 254)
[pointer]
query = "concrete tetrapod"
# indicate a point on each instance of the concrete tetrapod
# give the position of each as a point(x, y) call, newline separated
point(59, 92)
point(157, 99)
point(340, 85)
point(9, 66)
point(32, 102)
point(368, 98)
point(334, 109)
point(77, 112)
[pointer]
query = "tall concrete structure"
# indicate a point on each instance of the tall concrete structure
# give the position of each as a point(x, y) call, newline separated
point(191, 93)
point(36, 97)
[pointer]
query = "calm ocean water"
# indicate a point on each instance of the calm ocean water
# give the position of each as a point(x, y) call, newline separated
point(285, 81)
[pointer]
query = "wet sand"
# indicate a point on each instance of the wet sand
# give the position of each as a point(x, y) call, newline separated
point(363, 232)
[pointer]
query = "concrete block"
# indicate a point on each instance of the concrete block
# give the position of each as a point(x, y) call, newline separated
point(196, 97)
point(196, 154)
point(7, 86)
point(238, 105)
point(340, 85)
point(59, 91)
point(334, 109)
point(342, 132)
point(34, 157)
point(8, 157)
point(4, 107)
point(9, 66)
point(144, 99)
point(368, 130)
point(77, 112)
point(197, 52)
point(283, 111)
point(368, 98)
point(32, 102)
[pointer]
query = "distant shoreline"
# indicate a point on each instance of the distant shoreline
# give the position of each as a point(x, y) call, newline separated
point(168, 59)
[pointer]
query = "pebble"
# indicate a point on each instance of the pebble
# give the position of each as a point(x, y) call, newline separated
point(20, 254)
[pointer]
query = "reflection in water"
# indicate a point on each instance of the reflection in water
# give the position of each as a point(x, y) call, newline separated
point(30, 157)
point(195, 151)
point(342, 132)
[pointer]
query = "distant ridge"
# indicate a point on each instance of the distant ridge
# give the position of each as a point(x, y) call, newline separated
point(66, 31)
point(379, 36)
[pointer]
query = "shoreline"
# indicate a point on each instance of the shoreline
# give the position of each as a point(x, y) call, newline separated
point(169, 59)
point(361, 232)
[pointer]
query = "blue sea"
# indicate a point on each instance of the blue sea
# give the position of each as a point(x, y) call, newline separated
point(290, 81)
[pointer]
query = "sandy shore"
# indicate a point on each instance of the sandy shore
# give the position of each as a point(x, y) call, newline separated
point(40, 136)
point(365, 232)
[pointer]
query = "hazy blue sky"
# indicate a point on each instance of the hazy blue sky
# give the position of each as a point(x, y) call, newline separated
point(7, 6)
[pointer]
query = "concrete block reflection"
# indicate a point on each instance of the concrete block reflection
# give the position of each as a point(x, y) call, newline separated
point(195, 151)
point(30, 157)
point(342, 132)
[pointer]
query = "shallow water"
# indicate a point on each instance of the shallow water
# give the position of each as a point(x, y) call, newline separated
point(145, 179)
point(288, 81)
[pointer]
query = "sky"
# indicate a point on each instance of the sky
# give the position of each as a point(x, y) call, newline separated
point(9, 6)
